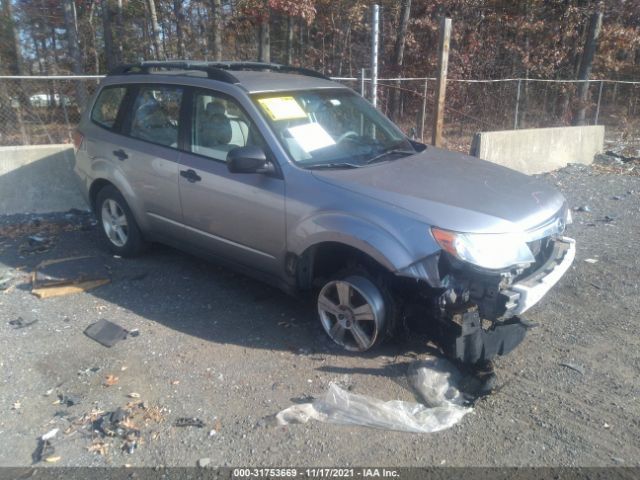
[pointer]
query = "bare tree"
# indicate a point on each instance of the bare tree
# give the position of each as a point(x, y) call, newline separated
point(70, 22)
point(398, 56)
point(179, 14)
point(155, 31)
point(216, 29)
point(595, 25)
point(264, 36)
point(109, 53)
point(11, 39)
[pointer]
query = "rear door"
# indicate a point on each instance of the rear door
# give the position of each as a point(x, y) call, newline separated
point(148, 157)
point(236, 216)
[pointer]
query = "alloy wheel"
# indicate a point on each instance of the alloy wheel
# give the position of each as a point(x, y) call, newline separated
point(352, 312)
point(114, 222)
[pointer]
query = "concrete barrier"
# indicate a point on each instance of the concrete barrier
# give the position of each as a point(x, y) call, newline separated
point(38, 179)
point(539, 150)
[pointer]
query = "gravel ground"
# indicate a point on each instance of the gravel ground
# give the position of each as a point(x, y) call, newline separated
point(231, 352)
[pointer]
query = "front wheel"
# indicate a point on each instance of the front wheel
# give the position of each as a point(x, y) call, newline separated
point(355, 311)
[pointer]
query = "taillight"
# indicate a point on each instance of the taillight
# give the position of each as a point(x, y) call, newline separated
point(77, 139)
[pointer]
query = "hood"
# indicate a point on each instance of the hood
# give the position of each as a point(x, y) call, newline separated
point(454, 191)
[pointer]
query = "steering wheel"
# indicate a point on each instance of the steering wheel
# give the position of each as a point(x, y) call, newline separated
point(346, 135)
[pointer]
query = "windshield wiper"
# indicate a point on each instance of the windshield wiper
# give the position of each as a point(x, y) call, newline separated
point(333, 165)
point(393, 151)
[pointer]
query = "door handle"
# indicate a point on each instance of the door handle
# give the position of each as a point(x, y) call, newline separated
point(121, 154)
point(190, 175)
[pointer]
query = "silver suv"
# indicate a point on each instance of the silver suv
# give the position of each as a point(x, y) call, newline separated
point(300, 182)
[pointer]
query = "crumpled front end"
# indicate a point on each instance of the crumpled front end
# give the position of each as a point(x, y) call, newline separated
point(477, 310)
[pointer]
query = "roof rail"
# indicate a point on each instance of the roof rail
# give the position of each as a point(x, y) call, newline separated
point(215, 70)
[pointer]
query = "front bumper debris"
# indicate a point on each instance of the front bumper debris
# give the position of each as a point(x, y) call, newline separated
point(474, 344)
point(527, 292)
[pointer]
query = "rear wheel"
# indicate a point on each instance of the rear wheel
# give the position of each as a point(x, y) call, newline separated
point(119, 229)
point(355, 310)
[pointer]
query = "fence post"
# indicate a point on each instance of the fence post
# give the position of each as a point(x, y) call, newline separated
point(441, 85)
point(423, 113)
point(362, 71)
point(595, 122)
point(375, 37)
point(515, 120)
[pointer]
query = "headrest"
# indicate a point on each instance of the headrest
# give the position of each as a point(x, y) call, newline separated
point(215, 108)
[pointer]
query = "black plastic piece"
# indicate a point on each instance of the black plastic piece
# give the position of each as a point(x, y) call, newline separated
point(475, 344)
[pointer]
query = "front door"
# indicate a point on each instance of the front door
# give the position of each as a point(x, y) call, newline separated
point(236, 216)
point(149, 156)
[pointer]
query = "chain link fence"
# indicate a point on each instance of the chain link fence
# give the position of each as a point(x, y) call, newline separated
point(45, 110)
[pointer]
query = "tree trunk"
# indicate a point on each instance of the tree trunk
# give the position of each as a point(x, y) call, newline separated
point(585, 67)
point(109, 53)
point(11, 36)
point(120, 33)
point(179, 14)
point(74, 49)
point(264, 38)
point(155, 31)
point(398, 56)
point(216, 29)
point(289, 39)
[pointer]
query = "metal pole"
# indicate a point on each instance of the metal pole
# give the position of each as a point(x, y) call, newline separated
point(362, 82)
point(515, 120)
point(595, 122)
point(375, 34)
point(424, 111)
point(441, 85)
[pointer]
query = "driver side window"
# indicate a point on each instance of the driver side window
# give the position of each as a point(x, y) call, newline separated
point(219, 125)
point(156, 113)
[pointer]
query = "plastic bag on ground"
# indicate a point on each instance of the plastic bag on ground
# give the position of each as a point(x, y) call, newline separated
point(433, 379)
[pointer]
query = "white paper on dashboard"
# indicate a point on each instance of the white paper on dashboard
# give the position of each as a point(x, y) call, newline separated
point(311, 136)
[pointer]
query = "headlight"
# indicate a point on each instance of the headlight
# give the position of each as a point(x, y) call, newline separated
point(487, 250)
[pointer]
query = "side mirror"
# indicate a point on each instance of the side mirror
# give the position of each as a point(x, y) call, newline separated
point(419, 147)
point(249, 159)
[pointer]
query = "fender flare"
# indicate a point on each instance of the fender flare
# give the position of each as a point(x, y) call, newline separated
point(352, 231)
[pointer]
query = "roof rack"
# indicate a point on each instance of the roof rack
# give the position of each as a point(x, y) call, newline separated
point(214, 70)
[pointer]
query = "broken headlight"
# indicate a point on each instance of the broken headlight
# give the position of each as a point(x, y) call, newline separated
point(493, 251)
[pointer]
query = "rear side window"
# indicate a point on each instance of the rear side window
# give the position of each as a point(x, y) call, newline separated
point(107, 105)
point(156, 115)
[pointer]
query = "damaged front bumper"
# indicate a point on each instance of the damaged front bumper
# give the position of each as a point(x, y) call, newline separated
point(479, 311)
point(527, 292)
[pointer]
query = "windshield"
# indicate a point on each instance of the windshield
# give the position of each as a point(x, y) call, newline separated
point(331, 128)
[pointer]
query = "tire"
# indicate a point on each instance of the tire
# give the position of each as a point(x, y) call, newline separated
point(119, 230)
point(356, 310)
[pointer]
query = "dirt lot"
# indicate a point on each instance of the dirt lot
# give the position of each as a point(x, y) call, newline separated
point(230, 351)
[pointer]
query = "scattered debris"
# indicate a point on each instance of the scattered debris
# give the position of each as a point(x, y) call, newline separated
point(583, 208)
point(50, 434)
point(66, 276)
point(44, 450)
point(591, 260)
point(134, 395)
point(434, 380)
point(99, 446)
point(105, 332)
point(609, 218)
point(573, 366)
point(189, 422)
point(6, 278)
point(36, 244)
point(68, 400)
point(16, 405)
point(134, 333)
point(616, 197)
point(20, 323)
point(203, 462)
point(110, 380)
